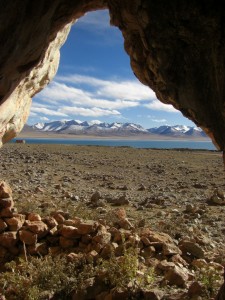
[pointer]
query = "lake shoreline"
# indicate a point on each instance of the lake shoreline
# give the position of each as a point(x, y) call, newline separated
point(41, 135)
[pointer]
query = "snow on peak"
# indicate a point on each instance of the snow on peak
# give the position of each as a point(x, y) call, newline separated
point(39, 125)
point(94, 122)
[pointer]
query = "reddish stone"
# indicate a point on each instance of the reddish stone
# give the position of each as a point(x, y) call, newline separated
point(6, 212)
point(69, 232)
point(8, 239)
point(38, 249)
point(87, 227)
point(50, 221)
point(5, 190)
point(195, 289)
point(16, 222)
point(28, 237)
point(177, 276)
point(65, 243)
point(38, 227)
point(34, 217)
point(3, 226)
point(6, 202)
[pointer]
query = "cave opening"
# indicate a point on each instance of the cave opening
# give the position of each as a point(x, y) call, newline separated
point(159, 189)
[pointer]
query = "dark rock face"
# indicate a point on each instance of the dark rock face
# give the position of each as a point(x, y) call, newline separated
point(176, 48)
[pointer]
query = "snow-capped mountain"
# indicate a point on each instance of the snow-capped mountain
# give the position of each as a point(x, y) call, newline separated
point(96, 127)
point(178, 131)
point(92, 127)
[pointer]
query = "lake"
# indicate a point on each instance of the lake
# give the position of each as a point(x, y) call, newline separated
point(207, 145)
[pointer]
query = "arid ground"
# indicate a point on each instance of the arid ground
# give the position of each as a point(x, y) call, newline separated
point(159, 184)
point(167, 190)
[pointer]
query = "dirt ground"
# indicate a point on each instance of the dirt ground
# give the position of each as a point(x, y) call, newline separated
point(168, 190)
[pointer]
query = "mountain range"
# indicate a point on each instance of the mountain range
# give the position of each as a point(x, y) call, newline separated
point(98, 128)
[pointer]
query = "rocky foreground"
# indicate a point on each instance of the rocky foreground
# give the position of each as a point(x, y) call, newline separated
point(158, 214)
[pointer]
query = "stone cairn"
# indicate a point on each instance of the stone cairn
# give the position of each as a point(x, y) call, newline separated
point(29, 234)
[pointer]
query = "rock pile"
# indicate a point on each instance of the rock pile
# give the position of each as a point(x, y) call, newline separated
point(176, 263)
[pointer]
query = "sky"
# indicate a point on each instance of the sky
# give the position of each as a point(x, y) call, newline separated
point(95, 82)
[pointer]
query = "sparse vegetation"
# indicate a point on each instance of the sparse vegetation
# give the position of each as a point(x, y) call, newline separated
point(41, 278)
point(211, 280)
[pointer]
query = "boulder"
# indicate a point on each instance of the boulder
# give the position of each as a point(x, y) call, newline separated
point(38, 227)
point(8, 239)
point(27, 237)
point(5, 190)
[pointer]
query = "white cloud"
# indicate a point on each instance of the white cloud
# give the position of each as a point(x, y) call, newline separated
point(94, 122)
point(157, 105)
point(90, 96)
point(122, 89)
point(59, 92)
point(44, 118)
point(159, 120)
point(127, 90)
point(97, 19)
point(32, 114)
point(88, 112)
point(48, 112)
point(76, 78)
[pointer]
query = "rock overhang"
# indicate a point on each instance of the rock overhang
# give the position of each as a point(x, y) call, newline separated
point(176, 48)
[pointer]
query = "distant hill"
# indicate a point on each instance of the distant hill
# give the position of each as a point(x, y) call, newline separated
point(91, 128)
point(97, 128)
point(178, 131)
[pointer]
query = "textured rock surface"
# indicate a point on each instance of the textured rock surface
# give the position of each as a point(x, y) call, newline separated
point(177, 48)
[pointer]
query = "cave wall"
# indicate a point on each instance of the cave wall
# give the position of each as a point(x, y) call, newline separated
point(175, 47)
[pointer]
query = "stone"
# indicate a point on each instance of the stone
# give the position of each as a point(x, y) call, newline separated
point(103, 236)
point(33, 217)
point(87, 227)
point(119, 213)
point(5, 191)
point(27, 237)
point(121, 200)
point(3, 254)
point(178, 260)
point(6, 203)
point(73, 257)
point(165, 265)
point(217, 198)
point(142, 187)
point(145, 241)
point(154, 294)
point(16, 222)
point(39, 249)
point(8, 239)
point(170, 249)
point(50, 221)
point(148, 252)
point(73, 222)
point(58, 217)
point(195, 289)
point(96, 196)
point(3, 226)
point(65, 242)
point(190, 208)
point(177, 276)
point(38, 227)
point(92, 256)
point(69, 232)
point(6, 212)
point(193, 248)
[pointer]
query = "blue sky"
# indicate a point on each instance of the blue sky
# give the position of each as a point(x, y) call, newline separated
point(95, 82)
